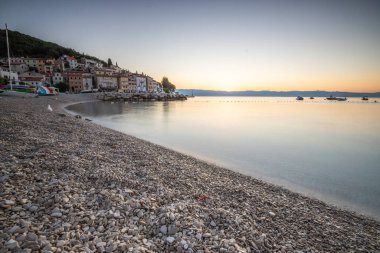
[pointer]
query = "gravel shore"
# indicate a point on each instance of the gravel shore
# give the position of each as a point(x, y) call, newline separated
point(69, 185)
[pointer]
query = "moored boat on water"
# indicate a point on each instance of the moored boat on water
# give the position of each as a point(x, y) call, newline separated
point(336, 98)
point(331, 97)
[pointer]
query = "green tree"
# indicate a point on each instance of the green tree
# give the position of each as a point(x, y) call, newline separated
point(109, 62)
point(3, 81)
point(167, 85)
point(62, 87)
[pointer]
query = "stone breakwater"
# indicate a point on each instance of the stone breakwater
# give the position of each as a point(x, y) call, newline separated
point(112, 96)
point(67, 184)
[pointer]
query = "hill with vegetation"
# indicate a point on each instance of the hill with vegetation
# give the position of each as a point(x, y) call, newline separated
point(22, 45)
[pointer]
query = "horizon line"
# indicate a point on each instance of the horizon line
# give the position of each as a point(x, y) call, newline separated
point(280, 91)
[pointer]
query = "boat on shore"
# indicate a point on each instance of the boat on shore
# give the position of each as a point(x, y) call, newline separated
point(299, 98)
point(365, 98)
point(311, 98)
point(89, 91)
point(46, 91)
point(20, 88)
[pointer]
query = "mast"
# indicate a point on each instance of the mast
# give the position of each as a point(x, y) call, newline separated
point(9, 59)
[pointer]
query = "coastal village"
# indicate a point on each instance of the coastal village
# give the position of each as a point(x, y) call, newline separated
point(76, 75)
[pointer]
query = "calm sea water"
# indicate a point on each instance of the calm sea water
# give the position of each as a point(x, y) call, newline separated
point(324, 149)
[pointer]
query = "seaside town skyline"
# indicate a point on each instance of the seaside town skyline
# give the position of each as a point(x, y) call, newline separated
point(256, 45)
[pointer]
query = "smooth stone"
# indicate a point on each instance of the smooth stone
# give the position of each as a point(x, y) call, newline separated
point(272, 214)
point(33, 208)
point(24, 201)
point(212, 223)
point(31, 237)
point(170, 239)
point(9, 202)
point(57, 215)
point(101, 244)
point(14, 229)
point(207, 235)
point(172, 229)
point(11, 244)
point(60, 243)
point(31, 245)
point(164, 229)
point(25, 223)
point(17, 209)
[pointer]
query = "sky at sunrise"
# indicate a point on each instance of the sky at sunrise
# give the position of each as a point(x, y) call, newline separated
point(219, 45)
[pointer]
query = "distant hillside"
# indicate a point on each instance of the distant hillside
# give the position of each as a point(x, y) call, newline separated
point(28, 46)
point(276, 93)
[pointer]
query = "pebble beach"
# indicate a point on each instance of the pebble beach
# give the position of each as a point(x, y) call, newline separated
point(69, 185)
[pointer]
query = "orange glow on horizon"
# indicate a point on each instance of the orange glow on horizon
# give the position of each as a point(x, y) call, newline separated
point(360, 88)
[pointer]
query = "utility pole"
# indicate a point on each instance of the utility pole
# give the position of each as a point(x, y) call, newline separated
point(9, 59)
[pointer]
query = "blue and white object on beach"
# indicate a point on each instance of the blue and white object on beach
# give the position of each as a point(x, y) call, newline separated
point(46, 91)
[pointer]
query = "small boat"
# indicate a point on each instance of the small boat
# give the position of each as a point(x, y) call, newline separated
point(365, 98)
point(89, 91)
point(311, 97)
point(46, 91)
point(336, 98)
point(299, 98)
point(192, 94)
point(20, 88)
point(331, 98)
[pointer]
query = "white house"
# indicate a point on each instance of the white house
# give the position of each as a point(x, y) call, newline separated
point(158, 88)
point(19, 67)
point(5, 73)
point(140, 84)
point(87, 81)
point(88, 63)
point(32, 78)
point(72, 62)
point(116, 68)
point(106, 82)
point(57, 78)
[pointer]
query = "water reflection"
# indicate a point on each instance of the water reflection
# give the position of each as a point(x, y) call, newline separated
point(326, 149)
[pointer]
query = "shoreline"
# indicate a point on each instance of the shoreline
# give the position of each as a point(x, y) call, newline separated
point(306, 192)
point(114, 191)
